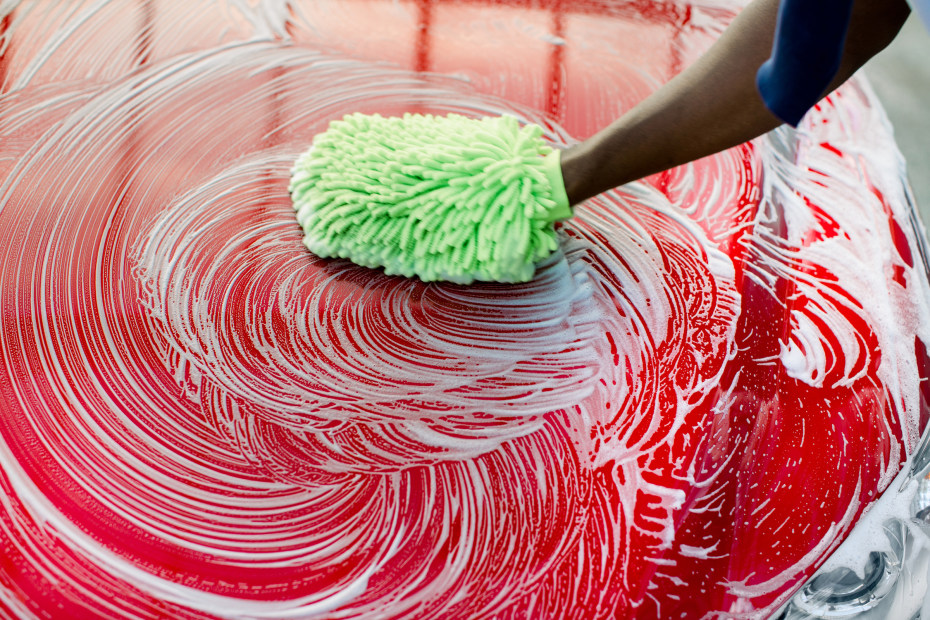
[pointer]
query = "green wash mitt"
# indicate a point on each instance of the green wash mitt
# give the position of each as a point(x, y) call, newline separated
point(438, 197)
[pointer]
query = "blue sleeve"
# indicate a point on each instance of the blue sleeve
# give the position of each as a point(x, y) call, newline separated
point(806, 53)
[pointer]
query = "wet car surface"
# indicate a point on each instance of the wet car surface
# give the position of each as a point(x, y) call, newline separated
point(684, 414)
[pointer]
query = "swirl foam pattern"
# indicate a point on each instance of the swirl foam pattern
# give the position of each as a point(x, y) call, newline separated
point(200, 419)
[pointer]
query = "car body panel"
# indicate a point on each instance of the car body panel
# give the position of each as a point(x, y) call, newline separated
point(682, 415)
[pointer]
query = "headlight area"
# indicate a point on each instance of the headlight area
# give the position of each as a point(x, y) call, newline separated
point(882, 570)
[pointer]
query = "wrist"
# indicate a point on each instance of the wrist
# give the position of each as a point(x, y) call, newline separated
point(572, 163)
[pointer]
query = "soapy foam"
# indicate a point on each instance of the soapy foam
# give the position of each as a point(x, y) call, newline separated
point(190, 395)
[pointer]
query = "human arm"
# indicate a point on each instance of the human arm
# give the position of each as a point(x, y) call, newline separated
point(714, 103)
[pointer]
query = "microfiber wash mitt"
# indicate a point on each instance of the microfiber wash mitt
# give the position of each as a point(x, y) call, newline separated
point(437, 197)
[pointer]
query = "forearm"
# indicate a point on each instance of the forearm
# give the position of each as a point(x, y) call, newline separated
point(712, 105)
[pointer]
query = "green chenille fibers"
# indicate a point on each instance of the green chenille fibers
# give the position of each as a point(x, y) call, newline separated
point(438, 197)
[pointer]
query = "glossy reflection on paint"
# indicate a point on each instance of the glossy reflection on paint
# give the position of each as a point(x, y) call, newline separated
point(684, 412)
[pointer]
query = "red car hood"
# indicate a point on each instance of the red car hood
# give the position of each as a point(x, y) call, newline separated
point(683, 414)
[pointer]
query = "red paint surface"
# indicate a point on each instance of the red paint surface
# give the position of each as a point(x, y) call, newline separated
point(122, 452)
